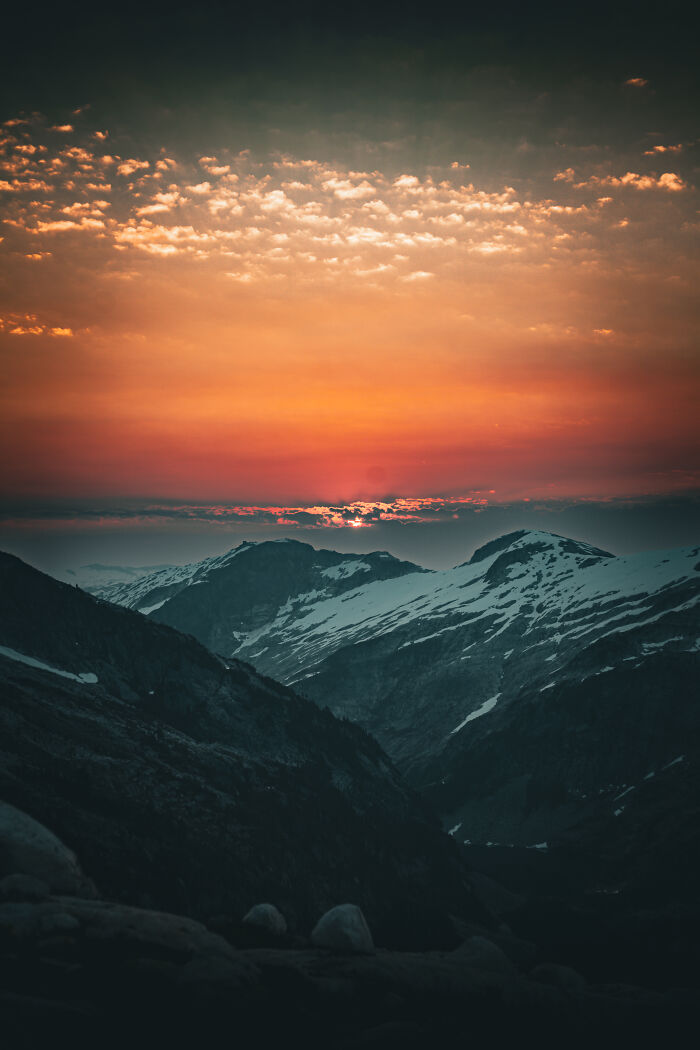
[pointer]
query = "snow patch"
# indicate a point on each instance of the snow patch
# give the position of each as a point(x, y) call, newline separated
point(86, 677)
point(488, 705)
point(345, 569)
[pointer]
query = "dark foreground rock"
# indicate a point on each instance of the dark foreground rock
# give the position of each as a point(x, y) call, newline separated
point(28, 847)
point(80, 973)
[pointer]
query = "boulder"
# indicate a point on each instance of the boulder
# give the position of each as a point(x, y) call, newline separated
point(343, 929)
point(267, 917)
point(481, 954)
point(28, 848)
point(561, 977)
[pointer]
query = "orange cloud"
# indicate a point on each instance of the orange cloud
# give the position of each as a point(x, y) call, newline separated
point(128, 167)
point(667, 181)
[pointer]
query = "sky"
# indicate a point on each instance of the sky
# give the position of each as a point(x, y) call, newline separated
point(370, 276)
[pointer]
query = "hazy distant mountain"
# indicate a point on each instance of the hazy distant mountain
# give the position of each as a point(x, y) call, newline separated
point(520, 691)
point(202, 787)
point(94, 577)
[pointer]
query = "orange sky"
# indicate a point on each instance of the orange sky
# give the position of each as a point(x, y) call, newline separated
point(277, 329)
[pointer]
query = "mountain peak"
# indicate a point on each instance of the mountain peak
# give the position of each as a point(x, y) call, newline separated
point(538, 539)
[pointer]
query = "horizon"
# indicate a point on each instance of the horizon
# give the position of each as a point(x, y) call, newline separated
point(435, 545)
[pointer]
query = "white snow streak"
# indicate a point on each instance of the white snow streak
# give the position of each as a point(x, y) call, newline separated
point(87, 677)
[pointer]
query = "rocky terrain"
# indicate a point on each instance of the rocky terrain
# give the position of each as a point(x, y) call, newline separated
point(76, 969)
point(198, 786)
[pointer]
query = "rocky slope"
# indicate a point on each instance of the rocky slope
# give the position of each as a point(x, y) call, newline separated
point(197, 786)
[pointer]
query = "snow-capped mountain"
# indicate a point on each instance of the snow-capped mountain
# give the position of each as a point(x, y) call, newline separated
point(244, 589)
point(555, 669)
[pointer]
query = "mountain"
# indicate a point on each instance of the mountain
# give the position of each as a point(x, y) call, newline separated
point(247, 587)
point(521, 691)
point(199, 786)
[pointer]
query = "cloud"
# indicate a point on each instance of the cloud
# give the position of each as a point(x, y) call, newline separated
point(344, 189)
point(66, 225)
point(129, 167)
point(25, 186)
point(637, 82)
point(28, 324)
point(358, 514)
point(264, 220)
point(669, 180)
point(162, 202)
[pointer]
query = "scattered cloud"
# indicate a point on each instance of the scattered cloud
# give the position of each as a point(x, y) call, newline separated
point(28, 324)
point(669, 180)
point(128, 167)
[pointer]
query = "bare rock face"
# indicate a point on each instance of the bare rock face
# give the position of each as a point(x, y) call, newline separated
point(28, 848)
point(343, 929)
point(267, 917)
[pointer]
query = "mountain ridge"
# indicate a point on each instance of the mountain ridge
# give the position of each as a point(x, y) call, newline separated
point(440, 664)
